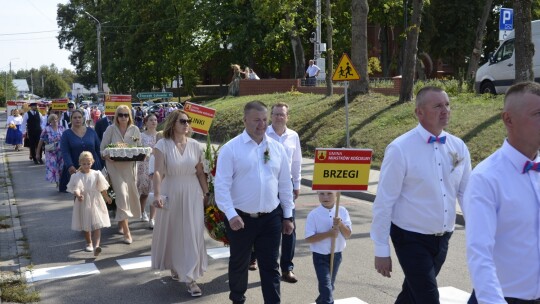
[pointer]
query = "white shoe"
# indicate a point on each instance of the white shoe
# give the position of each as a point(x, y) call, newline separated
point(144, 217)
point(151, 224)
point(89, 248)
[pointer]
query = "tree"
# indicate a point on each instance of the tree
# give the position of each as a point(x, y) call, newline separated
point(478, 44)
point(330, 50)
point(524, 48)
point(55, 86)
point(359, 55)
point(411, 48)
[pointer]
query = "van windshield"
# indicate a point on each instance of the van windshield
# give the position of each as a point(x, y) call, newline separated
point(505, 51)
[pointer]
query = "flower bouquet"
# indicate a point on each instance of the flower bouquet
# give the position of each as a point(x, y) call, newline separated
point(124, 152)
point(12, 126)
point(214, 219)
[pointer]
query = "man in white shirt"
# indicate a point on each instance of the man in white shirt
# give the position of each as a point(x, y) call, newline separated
point(502, 208)
point(423, 172)
point(253, 180)
point(311, 73)
point(65, 121)
point(290, 140)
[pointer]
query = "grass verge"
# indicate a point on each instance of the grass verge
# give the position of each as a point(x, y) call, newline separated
point(15, 290)
point(374, 120)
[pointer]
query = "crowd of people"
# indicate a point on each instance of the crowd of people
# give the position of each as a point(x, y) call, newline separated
point(423, 173)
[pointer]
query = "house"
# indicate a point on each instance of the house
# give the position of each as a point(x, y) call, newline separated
point(21, 85)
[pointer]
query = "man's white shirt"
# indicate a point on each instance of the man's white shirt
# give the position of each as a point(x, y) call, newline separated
point(291, 141)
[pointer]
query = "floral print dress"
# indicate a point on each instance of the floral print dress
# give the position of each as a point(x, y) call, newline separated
point(53, 159)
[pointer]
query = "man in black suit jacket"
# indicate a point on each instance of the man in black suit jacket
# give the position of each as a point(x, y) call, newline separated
point(101, 125)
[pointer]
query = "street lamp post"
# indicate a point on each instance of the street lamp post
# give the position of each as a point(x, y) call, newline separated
point(8, 74)
point(100, 80)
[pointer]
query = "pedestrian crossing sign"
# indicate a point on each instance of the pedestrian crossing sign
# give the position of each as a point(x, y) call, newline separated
point(345, 70)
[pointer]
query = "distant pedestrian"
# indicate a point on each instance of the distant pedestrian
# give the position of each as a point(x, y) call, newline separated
point(31, 126)
point(50, 139)
point(89, 211)
point(502, 208)
point(321, 228)
point(14, 135)
point(311, 73)
point(144, 180)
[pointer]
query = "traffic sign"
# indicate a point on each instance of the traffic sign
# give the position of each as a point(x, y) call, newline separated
point(341, 169)
point(201, 117)
point(149, 95)
point(506, 19)
point(345, 70)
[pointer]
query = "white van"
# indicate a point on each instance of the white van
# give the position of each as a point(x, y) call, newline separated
point(497, 75)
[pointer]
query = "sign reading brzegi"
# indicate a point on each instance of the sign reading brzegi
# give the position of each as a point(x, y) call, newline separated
point(341, 169)
point(113, 101)
point(201, 117)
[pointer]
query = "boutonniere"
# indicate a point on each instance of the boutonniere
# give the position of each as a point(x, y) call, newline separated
point(266, 156)
point(456, 160)
point(134, 138)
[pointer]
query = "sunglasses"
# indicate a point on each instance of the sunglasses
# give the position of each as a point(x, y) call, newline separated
point(125, 115)
point(184, 121)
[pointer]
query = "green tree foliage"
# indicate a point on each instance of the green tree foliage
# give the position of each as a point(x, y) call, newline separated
point(55, 87)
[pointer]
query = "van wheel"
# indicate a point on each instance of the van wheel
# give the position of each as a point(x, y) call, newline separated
point(487, 87)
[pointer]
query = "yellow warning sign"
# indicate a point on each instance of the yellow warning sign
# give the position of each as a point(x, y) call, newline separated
point(345, 70)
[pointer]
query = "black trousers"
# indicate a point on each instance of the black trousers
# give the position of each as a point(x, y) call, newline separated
point(33, 140)
point(472, 300)
point(263, 234)
point(421, 258)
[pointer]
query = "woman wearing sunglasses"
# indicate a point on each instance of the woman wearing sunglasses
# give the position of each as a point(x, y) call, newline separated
point(180, 189)
point(123, 173)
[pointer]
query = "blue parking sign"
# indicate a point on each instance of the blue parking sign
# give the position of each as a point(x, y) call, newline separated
point(506, 20)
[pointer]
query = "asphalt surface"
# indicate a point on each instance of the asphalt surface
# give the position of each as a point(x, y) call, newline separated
point(40, 220)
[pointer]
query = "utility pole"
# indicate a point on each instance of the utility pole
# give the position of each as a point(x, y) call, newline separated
point(317, 42)
point(98, 28)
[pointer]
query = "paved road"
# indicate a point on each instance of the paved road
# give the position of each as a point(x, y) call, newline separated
point(45, 217)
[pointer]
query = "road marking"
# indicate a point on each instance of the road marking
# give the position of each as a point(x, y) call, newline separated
point(60, 272)
point(135, 263)
point(349, 301)
point(452, 295)
point(219, 252)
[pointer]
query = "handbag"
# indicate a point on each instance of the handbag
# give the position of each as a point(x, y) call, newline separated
point(50, 147)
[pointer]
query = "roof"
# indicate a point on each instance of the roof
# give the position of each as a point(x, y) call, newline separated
point(21, 85)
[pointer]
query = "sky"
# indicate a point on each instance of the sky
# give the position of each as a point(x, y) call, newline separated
point(32, 50)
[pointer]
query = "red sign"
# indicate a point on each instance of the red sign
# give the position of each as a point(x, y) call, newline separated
point(201, 117)
point(113, 101)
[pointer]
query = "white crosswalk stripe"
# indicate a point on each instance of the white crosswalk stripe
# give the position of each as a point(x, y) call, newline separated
point(60, 272)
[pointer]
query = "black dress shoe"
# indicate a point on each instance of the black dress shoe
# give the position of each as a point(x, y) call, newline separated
point(41, 161)
point(289, 277)
point(36, 162)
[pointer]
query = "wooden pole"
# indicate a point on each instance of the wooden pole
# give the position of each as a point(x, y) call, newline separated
point(333, 246)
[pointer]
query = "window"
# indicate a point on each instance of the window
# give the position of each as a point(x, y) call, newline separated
point(505, 51)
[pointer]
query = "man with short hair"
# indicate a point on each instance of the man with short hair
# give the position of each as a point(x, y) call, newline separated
point(502, 208)
point(31, 127)
point(311, 73)
point(291, 141)
point(423, 172)
point(253, 181)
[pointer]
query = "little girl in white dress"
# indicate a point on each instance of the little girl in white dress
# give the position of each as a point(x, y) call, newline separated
point(89, 211)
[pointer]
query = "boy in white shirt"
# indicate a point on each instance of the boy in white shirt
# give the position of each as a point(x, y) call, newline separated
point(321, 227)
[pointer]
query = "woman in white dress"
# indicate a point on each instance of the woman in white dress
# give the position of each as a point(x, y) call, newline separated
point(180, 192)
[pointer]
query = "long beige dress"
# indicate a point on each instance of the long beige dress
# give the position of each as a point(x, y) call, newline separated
point(123, 174)
point(178, 237)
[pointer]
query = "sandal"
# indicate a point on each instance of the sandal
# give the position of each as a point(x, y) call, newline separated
point(174, 275)
point(97, 251)
point(194, 289)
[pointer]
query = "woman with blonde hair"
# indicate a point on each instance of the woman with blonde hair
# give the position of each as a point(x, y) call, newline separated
point(180, 191)
point(234, 86)
point(123, 173)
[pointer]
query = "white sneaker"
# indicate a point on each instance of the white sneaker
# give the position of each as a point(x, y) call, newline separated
point(151, 224)
point(89, 248)
point(144, 217)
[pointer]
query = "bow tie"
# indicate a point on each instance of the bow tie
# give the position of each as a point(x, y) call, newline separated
point(438, 139)
point(529, 165)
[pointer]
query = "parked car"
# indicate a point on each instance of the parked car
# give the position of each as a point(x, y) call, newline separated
point(153, 108)
point(499, 73)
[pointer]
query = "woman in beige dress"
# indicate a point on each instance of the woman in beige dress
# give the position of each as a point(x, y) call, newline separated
point(180, 191)
point(123, 173)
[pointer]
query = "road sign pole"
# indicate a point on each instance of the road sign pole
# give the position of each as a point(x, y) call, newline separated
point(347, 114)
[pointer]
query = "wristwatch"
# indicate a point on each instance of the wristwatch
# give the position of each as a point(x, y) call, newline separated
point(289, 218)
point(207, 194)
